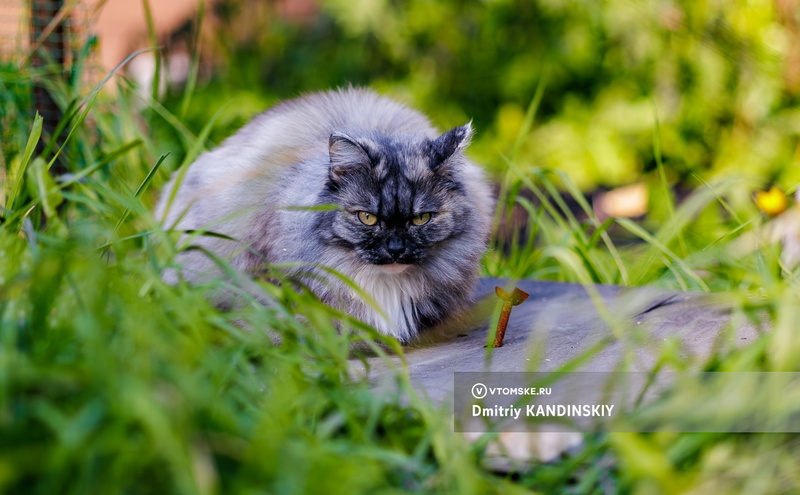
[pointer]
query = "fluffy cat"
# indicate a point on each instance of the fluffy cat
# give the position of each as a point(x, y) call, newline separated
point(412, 213)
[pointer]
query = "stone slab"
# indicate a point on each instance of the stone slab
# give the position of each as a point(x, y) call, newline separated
point(612, 328)
point(565, 327)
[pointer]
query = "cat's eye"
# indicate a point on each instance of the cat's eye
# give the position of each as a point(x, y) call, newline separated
point(421, 219)
point(367, 218)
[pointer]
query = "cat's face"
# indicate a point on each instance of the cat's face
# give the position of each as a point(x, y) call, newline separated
point(399, 199)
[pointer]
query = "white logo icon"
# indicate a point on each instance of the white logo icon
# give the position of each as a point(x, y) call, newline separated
point(479, 390)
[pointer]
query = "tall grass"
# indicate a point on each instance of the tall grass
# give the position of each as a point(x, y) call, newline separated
point(695, 244)
point(113, 382)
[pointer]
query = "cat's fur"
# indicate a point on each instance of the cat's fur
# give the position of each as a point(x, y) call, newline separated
point(361, 152)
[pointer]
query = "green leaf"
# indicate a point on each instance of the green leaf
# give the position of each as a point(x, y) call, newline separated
point(141, 189)
point(17, 176)
point(42, 187)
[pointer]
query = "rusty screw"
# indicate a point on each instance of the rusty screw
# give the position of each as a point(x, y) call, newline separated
point(513, 299)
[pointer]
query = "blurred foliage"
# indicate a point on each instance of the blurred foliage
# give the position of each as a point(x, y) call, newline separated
point(15, 104)
point(720, 80)
point(112, 381)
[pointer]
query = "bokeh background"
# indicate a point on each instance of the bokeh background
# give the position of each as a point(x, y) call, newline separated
point(720, 80)
point(628, 140)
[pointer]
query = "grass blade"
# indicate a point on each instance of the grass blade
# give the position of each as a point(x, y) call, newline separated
point(18, 176)
point(141, 189)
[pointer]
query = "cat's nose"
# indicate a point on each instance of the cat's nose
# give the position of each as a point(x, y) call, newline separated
point(395, 247)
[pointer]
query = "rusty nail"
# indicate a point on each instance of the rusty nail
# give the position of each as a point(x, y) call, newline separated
point(514, 298)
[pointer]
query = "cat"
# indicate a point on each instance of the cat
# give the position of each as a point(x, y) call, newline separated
point(411, 214)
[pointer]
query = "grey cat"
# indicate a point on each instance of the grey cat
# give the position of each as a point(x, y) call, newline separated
point(412, 214)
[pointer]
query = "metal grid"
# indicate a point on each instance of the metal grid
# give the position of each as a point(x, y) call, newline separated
point(13, 32)
point(46, 32)
point(43, 38)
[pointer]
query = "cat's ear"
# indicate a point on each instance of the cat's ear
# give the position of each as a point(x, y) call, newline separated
point(346, 156)
point(449, 143)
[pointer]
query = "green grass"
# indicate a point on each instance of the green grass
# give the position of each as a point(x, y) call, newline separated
point(112, 381)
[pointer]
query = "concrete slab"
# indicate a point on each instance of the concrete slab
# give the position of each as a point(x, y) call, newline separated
point(565, 327)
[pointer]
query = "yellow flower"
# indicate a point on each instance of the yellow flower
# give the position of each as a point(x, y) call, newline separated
point(772, 202)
